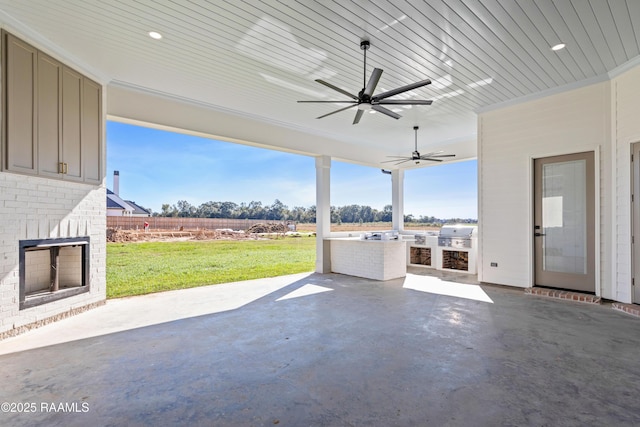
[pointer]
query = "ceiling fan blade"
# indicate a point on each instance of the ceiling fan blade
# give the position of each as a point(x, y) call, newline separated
point(337, 111)
point(332, 102)
point(403, 161)
point(395, 160)
point(401, 89)
point(437, 154)
point(373, 82)
point(337, 89)
point(385, 111)
point(405, 102)
point(358, 116)
point(431, 159)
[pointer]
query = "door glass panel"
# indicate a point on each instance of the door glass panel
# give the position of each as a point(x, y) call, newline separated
point(564, 217)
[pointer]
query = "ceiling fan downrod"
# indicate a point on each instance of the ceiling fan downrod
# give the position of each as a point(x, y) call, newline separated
point(364, 45)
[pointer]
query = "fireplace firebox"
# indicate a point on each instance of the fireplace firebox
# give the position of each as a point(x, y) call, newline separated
point(52, 269)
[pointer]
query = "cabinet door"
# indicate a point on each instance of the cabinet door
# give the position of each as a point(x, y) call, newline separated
point(71, 124)
point(20, 109)
point(52, 117)
point(48, 123)
point(92, 131)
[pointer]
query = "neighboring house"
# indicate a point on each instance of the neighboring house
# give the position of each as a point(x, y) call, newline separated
point(117, 206)
point(138, 210)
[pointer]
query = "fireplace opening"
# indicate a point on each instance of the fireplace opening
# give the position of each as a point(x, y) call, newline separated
point(52, 269)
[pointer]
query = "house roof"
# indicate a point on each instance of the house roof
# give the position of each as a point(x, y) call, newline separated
point(234, 70)
point(137, 209)
point(115, 202)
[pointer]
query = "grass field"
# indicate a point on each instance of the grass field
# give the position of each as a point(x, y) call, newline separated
point(142, 268)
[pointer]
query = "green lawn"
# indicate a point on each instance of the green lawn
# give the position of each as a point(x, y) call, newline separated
point(142, 268)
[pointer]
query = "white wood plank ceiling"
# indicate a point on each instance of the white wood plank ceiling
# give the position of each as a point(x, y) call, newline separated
point(258, 58)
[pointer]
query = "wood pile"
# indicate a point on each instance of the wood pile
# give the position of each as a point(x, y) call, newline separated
point(455, 260)
point(222, 234)
point(115, 235)
point(421, 256)
point(122, 236)
point(267, 228)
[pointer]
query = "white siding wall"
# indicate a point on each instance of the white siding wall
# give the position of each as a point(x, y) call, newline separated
point(626, 110)
point(509, 139)
point(38, 208)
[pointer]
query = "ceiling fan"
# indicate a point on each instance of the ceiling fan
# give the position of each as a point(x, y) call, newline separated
point(434, 156)
point(365, 100)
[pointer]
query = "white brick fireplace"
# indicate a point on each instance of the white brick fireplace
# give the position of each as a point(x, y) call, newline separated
point(33, 208)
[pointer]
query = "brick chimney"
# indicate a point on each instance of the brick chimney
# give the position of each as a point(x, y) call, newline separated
point(116, 183)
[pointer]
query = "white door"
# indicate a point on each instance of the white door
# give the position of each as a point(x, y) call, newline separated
point(564, 222)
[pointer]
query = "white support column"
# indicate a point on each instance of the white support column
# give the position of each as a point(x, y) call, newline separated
point(323, 214)
point(397, 199)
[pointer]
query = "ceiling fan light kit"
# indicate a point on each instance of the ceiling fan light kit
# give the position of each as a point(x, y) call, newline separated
point(366, 100)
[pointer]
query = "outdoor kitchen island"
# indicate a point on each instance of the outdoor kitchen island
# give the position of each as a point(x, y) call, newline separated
point(371, 259)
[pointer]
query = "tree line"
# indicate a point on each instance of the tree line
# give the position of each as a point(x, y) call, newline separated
point(278, 211)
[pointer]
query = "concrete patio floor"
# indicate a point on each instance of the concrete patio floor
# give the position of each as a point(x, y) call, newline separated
point(329, 350)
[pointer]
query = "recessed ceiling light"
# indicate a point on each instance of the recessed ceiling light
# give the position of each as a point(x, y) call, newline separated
point(155, 35)
point(559, 46)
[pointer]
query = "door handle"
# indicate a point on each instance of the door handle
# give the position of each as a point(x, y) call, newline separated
point(539, 234)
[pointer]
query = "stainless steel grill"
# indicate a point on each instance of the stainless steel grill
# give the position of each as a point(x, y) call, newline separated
point(456, 236)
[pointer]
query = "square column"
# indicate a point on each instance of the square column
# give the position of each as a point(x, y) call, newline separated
point(397, 199)
point(323, 214)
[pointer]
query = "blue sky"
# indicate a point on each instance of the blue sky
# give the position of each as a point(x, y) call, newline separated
point(159, 167)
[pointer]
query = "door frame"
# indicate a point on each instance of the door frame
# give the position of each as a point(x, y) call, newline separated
point(597, 211)
point(634, 202)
